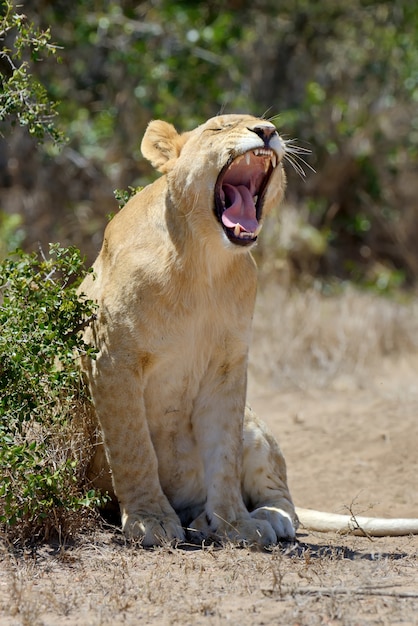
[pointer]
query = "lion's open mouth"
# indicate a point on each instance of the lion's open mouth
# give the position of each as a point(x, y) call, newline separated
point(239, 194)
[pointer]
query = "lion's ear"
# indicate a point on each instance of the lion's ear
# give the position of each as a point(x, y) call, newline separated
point(162, 145)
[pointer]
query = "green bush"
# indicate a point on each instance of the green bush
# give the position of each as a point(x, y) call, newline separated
point(23, 99)
point(46, 417)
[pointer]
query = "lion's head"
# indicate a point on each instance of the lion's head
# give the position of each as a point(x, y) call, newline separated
point(225, 175)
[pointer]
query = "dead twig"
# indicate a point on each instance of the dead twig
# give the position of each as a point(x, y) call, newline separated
point(332, 591)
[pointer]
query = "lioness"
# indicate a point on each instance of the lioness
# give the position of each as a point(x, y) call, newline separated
point(175, 282)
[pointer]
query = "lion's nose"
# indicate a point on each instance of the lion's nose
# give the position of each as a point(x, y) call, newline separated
point(266, 132)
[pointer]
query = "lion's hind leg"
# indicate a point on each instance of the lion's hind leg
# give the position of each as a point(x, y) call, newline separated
point(264, 480)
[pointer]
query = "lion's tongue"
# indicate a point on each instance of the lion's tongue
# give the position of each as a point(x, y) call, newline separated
point(241, 210)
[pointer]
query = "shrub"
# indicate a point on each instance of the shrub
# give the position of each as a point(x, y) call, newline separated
point(46, 416)
point(23, 99)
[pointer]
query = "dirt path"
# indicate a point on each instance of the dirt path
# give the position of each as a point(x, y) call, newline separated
point(319, 581)
point(352, 445)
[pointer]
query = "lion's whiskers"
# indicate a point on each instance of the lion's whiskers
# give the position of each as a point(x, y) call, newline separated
point(293, 154)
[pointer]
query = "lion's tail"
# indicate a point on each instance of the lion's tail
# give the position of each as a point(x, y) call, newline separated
point(357, 525)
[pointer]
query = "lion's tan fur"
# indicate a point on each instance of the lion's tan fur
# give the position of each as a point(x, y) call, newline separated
point(176, 300)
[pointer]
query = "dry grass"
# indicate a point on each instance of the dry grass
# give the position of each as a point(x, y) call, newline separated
point(303, 338)
point(101, 582)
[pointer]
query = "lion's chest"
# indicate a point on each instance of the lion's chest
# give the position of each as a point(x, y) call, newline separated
point(186, 377)
point(170, 396)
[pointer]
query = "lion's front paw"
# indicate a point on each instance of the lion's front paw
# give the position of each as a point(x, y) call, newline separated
point(152, 530)
point(243, 531)
point(281, 521)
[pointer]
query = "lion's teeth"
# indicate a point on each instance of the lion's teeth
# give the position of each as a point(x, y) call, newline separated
point(255, 199)
point(243, 234)
point(247, 158)
point(273, 160)
point(258, 230)
point(265, 152)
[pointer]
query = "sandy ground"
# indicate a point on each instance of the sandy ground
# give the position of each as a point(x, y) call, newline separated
point(350, 443)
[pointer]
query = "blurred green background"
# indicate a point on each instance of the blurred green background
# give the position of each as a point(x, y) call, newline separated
point(340, 77)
